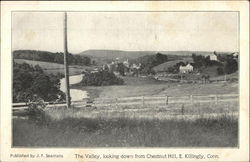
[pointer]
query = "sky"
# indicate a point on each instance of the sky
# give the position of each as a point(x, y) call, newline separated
point(130, 31)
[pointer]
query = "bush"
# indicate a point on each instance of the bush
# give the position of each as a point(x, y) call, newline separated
point(36, 109)
point(101, 78)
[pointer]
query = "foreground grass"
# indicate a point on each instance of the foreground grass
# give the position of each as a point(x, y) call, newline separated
point(124, 132)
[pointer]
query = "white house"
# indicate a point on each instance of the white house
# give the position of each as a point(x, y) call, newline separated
point(213, 57)
point(186, 69)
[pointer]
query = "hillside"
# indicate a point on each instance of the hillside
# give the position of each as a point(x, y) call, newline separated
point(164, 66)
point(53, 68)
point(112, 54)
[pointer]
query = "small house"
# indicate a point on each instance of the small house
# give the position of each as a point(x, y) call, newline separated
point(186, 69)
point(213, 57)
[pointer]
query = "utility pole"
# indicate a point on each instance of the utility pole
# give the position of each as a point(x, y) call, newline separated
point(66, 70)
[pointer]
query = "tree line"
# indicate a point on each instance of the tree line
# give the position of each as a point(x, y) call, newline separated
point(57, 57)
point(226, 64)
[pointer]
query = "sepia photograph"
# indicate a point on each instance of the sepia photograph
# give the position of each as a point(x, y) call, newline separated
point(125, 79)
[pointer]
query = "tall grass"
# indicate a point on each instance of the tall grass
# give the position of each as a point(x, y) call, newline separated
point(69, 128)
point(161, 112)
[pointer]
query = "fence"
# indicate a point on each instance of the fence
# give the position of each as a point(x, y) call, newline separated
point(142, 101)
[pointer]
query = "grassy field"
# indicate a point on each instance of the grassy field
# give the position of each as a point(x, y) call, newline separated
point(233, 76)
point(185, 111)
point(152, 127)
point(126, 132)
point(135, 86)
point(134, 126)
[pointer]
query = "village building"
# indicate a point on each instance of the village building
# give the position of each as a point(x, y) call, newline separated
point(186, 69)
point(129, 69)
point(135, 66)
point(117, 60)
point(213, 57)
point(126, 63)
point(235, 55)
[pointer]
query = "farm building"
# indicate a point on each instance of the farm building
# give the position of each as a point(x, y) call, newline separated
point(186, 69)
point(213, 57)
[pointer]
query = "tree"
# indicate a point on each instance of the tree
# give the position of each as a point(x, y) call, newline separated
point(101, 78)
point(28, 81)
point(121, 69)
point(231, 65)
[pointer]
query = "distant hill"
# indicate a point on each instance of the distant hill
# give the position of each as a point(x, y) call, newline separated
point(100, 56)
point(136, 54)
point(105, 56)
point(112, 54)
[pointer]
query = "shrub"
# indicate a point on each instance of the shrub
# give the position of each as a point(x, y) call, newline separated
point(36, 109)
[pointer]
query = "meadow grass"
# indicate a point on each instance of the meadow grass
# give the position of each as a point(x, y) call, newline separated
point(149, 87)
point(81, 128)
point(161, 112)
